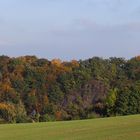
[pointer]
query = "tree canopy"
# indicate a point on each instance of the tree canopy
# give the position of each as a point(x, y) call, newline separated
point(33, 89)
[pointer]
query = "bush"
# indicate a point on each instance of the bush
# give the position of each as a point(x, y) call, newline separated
point(47, 118)
point(21, 115)
point(8, 112)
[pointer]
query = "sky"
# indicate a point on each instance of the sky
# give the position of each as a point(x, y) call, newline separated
point(70, 29)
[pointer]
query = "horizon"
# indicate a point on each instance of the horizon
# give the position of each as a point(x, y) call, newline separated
point(61, 60)
point(70, 29)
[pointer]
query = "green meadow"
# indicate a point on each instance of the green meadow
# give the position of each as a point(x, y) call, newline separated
point(114, 128)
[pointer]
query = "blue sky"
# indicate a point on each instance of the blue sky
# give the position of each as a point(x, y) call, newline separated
point(70, 29)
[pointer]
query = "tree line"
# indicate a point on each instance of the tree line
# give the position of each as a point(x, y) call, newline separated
point(39, 90)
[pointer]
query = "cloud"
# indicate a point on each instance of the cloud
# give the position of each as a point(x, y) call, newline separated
point(4, 43)
point(111, 4)
point(88, 24)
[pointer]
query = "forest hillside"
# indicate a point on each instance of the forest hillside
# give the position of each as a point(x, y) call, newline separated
point(39, 90)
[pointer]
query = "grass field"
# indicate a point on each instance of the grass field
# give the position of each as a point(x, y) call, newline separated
point(117, 128)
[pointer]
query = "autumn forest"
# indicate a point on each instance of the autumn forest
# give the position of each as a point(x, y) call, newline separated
point(39, 90)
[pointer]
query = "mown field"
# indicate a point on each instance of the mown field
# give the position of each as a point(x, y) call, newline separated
point(116, 128)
